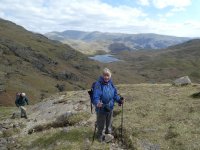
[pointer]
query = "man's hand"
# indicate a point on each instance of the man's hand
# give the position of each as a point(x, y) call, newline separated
point(99, 105)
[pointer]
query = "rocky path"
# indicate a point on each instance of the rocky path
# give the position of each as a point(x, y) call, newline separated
point(44, 114)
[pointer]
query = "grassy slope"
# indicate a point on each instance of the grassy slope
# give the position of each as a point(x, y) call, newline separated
point(154, 114)
point(21, 53)
point(30, 63)
point(166, 65)
point(162, 115)
point(178, 61)
point(88, 48)
point(75, 138)
point(6, 112)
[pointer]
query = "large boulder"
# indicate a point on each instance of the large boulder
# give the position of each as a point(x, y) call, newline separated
point(182, 81)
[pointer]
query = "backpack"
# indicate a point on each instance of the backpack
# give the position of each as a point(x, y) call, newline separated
point(90, 92)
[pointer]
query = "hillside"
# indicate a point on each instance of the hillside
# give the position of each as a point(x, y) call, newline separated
point(165, 65)
point(91, 42)
point(31, 63)
point(156, 116)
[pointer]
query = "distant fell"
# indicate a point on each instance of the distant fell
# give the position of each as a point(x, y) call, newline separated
point(114, 42)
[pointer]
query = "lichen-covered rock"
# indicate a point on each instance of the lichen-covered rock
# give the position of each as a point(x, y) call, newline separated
point(182, 81)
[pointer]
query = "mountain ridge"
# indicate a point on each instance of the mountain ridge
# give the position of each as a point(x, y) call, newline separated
point(109, 42)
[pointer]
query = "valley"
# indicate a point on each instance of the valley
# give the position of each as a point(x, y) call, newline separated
point(38, 66)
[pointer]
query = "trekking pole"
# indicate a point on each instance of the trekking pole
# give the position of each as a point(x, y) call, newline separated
point(94, 132)
point(90, 93)
point(122, 124)
point(91, 107)
point(95, 127)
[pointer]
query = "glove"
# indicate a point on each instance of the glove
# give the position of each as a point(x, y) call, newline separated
point(121, 102)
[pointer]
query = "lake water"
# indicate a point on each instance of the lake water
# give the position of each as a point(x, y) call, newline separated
point(107, 58)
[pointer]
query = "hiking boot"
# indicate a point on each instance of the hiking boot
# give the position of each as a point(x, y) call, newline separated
point(101, 138)
point(108, 138)
point(108, 132)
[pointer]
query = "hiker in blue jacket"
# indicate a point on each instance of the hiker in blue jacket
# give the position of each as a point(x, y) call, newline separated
point(104, 97)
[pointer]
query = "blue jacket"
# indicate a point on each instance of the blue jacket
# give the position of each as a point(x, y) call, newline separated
point(106, 93)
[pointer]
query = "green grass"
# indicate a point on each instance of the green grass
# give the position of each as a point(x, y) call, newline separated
point(75, 135)
point(6, 112)
point(161, 114)
point(155, 114)
point(76, 138)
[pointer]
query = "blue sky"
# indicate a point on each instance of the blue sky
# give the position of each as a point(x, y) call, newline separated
point(169, 17)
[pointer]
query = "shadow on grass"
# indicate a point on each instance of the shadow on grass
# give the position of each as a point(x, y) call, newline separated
point(196, 95)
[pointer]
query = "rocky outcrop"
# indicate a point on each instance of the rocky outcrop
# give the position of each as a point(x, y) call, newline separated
point(60, 110)
point(2, 82)
point(28, 54)
point(182, 81)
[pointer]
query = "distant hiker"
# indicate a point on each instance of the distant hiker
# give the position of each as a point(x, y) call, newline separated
point(17, 95)
point(21, 101)
point(103, 98)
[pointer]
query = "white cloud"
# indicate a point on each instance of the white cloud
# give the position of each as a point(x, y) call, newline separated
point(174, 3)
point(178, 9)
point(43, 16)
point(194, 24)
point(89, 15)
point(144, 2)
point(178, 5)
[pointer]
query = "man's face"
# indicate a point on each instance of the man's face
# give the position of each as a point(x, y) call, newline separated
point(106, 77)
